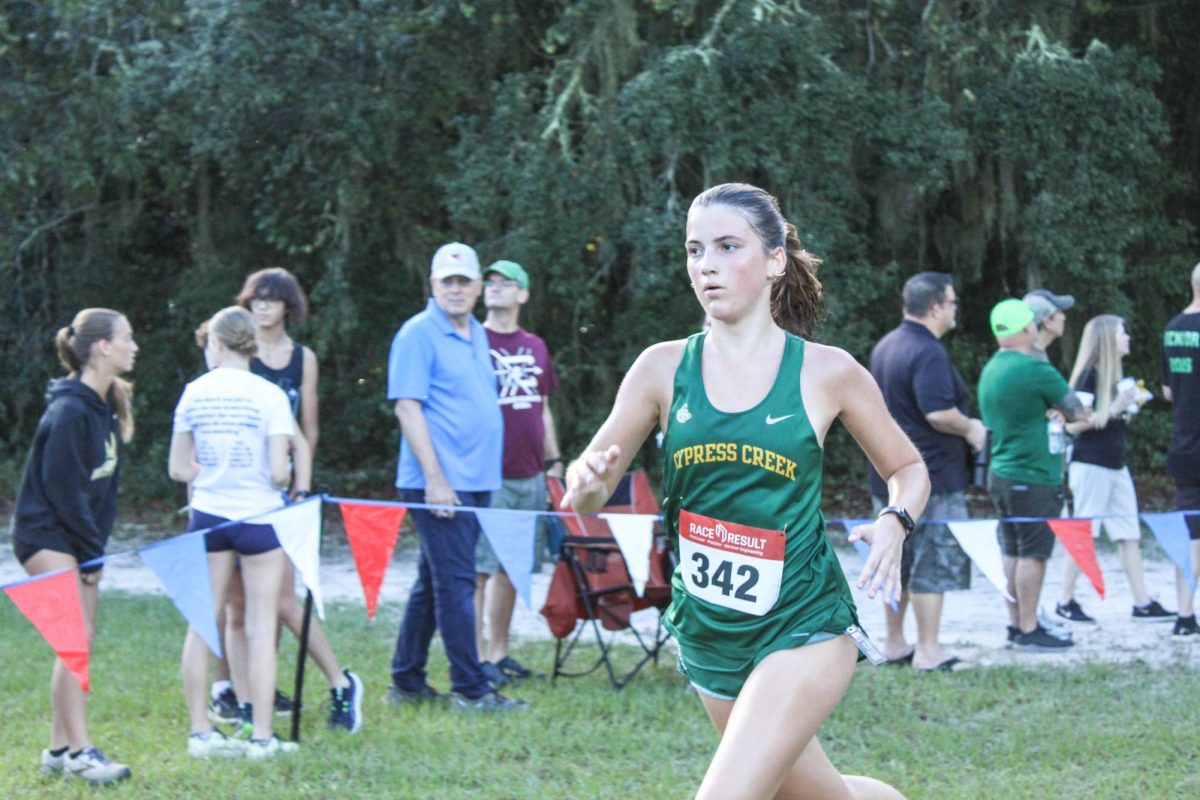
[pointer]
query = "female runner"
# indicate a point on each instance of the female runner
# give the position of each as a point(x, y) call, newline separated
point(68, 501)
point(232, 434)
point(760, 608)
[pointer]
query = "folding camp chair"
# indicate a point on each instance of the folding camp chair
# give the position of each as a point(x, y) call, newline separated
point(591, 588)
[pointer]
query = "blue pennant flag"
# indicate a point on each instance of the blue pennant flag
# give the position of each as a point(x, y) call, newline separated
point(1171, 530)
point(181, 566)
point(511, 534)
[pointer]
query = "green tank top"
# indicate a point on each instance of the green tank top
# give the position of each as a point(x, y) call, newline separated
point(742, 495)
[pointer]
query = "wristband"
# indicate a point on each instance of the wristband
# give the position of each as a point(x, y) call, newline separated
point(906, 520)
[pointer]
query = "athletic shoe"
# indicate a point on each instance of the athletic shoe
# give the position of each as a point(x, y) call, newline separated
point(262, 749)
point(243, 728)
point(346, 707)
point(53, 764)
point(516, 670)
point(1013, 630)
point(91, 765)
point(1071, 611)
point(488, 703)
point(1040, 640)
point(215, 744)
point(493, 673)
point(1152, 612)
point(1186, 628)
point(224, 707)
point(283, 704)
point(403, 697)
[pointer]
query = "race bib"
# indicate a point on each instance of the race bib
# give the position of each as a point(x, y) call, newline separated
point(731, 565)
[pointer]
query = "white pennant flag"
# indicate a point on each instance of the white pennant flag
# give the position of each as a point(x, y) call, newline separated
point(978, 539)
point(634, 534)
point(298, 527)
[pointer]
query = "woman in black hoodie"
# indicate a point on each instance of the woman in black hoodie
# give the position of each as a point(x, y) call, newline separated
point(68, 501)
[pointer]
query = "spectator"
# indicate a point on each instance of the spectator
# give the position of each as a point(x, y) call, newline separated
point(1181, 387)
point(928, 398)
point(68, 501)
point(1050, 318)
point(232, 435)
point(1025, 476)
point(440, 375)
point(526, 379)
point(1100, 483)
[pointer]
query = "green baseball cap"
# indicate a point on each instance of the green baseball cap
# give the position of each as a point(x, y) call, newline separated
point(511, 270)
point(1010, 317)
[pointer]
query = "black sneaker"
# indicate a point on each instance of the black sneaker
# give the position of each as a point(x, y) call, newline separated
point(493, 674)
point(1152, 612)
point(515, 670)
point(1070, 610)
point(488, 703)
point(1013, 630)
point(1040, 640)
point(403, 697)
point(283, 704)
point(345, 710)
point(224, 707)
point(1186, 628)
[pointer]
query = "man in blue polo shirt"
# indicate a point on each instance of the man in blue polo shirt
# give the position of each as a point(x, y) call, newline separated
point(441, 378)
point(928, 398)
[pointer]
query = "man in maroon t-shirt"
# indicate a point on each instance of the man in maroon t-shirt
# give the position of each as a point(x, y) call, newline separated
point(525, 378)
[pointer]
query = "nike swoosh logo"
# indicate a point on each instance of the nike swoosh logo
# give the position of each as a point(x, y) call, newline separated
point(772, 420)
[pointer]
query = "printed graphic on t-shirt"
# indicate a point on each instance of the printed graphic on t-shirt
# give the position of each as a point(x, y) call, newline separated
point(518, 375)
point(110, 459)
point(218, 423)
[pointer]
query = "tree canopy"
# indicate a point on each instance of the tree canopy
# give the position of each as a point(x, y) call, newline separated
point(152, 153)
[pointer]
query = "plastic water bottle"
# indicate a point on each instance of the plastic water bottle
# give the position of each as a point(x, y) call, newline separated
point(1056, 434)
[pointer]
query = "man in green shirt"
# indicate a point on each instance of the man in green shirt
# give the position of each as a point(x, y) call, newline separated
point(1025, 475)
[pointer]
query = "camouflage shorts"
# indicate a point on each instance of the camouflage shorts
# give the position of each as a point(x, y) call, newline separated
point(933, 562)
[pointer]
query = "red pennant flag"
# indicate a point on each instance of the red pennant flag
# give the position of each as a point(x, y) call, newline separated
point(372, 531)
point(54, 607)
point(1076, 536)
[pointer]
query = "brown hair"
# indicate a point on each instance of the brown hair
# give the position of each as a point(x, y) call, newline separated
point(275, 283)
point(796, 296)
point(234, 328)
point(74, 344)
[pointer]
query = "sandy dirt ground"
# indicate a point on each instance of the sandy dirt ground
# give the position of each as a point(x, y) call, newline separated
point(973, 624)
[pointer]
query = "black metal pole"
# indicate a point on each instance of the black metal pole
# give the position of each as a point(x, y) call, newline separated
point(298, 691)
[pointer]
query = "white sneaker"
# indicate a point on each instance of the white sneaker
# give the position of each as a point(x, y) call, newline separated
point(215, 744)
point(93, 767)
point(262, 749)
point(52, 764)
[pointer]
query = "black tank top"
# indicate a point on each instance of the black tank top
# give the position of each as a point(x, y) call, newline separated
point(288, 378)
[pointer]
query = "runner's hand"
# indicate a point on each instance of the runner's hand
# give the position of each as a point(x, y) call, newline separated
point(586, 478)
point(886, 537)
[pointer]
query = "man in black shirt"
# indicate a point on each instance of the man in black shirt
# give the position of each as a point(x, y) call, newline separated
point(928, 398)
point(1181, 387)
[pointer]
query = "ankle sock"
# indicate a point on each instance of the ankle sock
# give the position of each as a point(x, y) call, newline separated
point(76, 753)
point(60, 751)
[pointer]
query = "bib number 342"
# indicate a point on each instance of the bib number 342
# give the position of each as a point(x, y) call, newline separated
point(731, 565)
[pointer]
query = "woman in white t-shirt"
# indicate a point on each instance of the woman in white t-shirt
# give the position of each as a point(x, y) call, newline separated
point(231, 439)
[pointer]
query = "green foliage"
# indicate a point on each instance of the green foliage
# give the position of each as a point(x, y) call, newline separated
point(151, 155)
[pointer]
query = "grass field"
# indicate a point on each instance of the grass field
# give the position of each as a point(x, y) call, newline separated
point(1086, 732)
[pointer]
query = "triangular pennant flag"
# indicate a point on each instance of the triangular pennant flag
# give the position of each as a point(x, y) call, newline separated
point(372, 531)
point(635, 536)
point(511, 535)
point(1171, 530)
point(1076, 536)
point(53, 604)
point(181, 566)
point(298, 527)
point(978, 540)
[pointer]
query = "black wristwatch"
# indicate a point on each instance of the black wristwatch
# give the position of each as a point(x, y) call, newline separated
point(906, 520)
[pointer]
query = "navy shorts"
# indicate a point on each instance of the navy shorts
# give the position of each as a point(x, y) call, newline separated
point(245, 538)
